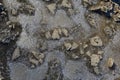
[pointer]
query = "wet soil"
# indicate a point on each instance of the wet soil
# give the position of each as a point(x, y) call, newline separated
point(32, 38)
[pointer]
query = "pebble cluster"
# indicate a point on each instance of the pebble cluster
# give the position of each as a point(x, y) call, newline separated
point(36, 58)
point(54, 4)
point(24, 8)
point(27, 9)
point(109, 7)
point(57, 33)
point(90, 49)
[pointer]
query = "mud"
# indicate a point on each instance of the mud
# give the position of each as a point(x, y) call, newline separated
point(47, 57)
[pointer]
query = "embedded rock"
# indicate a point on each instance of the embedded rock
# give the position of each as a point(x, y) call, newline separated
point(96, 41)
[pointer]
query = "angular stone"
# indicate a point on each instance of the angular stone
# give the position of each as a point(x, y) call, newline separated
point(96, 41)
point(60, 31)
point(65, 32)
point(40, 61)
point(35, 54)
point(67, 45)
point(41, 56)
point(51, 8)
point(38, 55)
point(34, 61)
point(100, 52)
point(85, 45)
point(88, 53)
point(95, 59)
point(16, 53)
point(55, 34)
point(75, 56)
point(74, 46)
point(66, 3)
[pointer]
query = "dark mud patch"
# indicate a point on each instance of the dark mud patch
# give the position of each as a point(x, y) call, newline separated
point(4, 69)
point(54, 70)
point(8, 39)
point(6, 50)
point(116, 1)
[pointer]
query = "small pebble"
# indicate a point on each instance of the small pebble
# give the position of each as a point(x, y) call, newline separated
point(111, 64)
point(67, 45)
point(51, 8)
point(74, 46)
point(55, 34)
